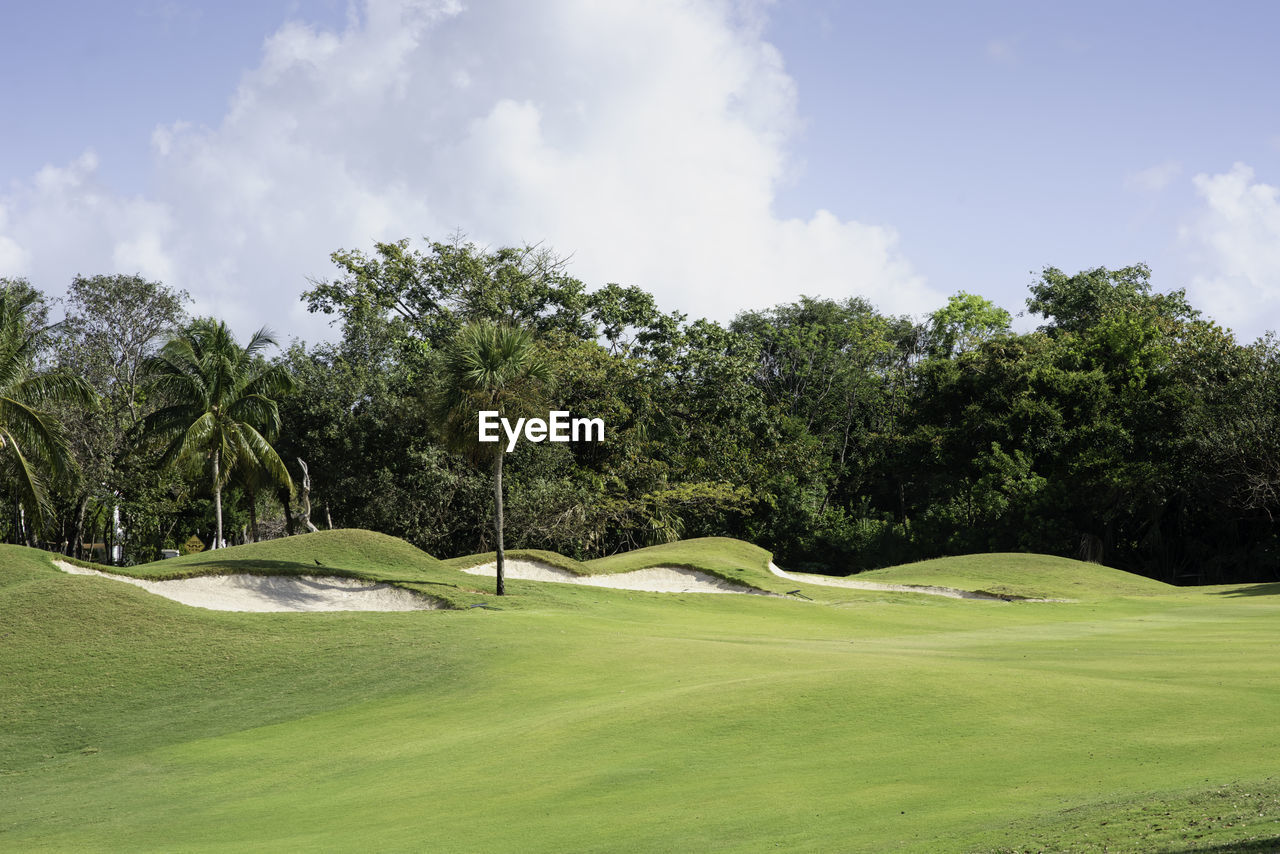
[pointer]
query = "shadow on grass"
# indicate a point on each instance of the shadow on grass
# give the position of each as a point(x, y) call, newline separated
point(1271, 589)
point(1253, 846)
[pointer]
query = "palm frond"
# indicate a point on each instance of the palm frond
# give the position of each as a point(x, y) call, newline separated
point(266, 459)
point(219, 400)
point(26, 477)
point(489, 367)
point(57, 387)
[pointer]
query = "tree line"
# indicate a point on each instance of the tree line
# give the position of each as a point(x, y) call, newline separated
point(1127, 429)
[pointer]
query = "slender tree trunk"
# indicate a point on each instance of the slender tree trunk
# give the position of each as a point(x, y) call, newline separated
point(217, 499)
point(497, 519)
point(117, 531)
point(253, 516)
point(306, 497)
point(283, 496)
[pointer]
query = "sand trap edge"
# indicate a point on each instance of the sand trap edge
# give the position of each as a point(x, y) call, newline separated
point(654, 579)
point(248, 593)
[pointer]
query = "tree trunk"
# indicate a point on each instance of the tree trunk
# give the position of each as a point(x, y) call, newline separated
point(306, 497)
point(117, 538)
point(217, 499)
point(497, 518)
point(253, 516)
point(283, 496)
point(106, 524)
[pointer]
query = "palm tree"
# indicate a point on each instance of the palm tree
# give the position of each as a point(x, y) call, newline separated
point(220, 407)
point(489, 367)
point(33, 443)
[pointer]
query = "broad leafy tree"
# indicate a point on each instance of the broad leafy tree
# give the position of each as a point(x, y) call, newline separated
point(113, 325)
point(428, 295)
point(964, 322)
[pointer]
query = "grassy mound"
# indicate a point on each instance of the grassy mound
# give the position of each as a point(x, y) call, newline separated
point(365, 554)
point(1023, 575)
point(345, 553)
point(20, 565)
point(551, 558)
point(732, 560)
point(723, 556)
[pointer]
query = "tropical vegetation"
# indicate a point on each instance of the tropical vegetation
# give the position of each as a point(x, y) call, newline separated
point(219, 407)
point(496, 369)
point(33, 442)
point(1125, 428)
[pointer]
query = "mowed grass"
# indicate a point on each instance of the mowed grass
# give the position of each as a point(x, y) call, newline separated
point(587, 719)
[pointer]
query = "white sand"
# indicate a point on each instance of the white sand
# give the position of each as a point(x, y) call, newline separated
point(655, 579)
point(274, 592)
point(927, 589)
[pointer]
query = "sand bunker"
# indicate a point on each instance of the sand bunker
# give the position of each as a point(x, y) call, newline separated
point(263, 593)
point(655, 579)
point(926, 589)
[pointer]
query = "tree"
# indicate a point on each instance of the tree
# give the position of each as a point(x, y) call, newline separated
point(113, 325)
point(220, 405)
point(1080, 302)
point(430, 295)
point(33, 443)
point(965, 322)
point(489, 367)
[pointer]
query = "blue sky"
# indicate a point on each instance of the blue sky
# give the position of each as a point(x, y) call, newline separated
point(724, 156)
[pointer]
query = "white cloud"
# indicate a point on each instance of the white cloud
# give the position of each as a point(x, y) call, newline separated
point(14, 260)
point(1154, 178)
point(63, 222)
point(1237, 242)
point(647, 139)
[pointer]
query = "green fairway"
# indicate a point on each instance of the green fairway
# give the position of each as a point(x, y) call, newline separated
point(1138, 718)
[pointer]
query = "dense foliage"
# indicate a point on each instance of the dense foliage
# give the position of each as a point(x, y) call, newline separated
point(1127, 429)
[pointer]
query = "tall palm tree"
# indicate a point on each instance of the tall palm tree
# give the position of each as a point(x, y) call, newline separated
point(489, 367)
point(219, 405)
point(33, 443)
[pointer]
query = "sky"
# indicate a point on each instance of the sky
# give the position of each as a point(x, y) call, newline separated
point(724, 155)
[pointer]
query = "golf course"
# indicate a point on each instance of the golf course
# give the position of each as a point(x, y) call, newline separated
point(1072, 708)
